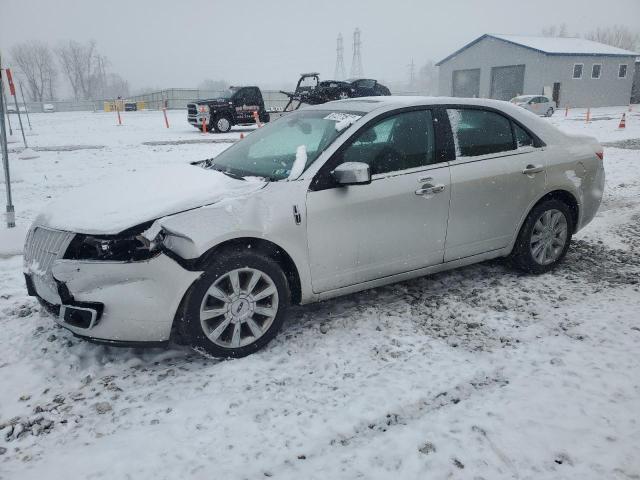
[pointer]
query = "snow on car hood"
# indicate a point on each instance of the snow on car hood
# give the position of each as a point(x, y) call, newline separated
point(118, 203)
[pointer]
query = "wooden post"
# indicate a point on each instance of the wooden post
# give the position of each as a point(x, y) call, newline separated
point(166, 120)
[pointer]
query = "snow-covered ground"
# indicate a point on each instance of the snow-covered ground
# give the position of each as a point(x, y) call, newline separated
point(479, 373)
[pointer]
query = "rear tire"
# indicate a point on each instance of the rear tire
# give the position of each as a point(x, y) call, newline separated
point(237, 306)
point(544, 238)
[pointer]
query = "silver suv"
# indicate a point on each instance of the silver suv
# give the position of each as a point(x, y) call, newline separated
point(326, 201)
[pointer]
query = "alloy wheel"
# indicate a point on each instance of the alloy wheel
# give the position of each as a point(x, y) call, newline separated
point(239, 308)
point(223, 124)
point(548, 237)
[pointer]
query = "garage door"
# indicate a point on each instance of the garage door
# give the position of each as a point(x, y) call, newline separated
point(507, 82)
point(466, 83)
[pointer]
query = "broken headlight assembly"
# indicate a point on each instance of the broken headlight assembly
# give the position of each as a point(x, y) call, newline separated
point(126, 247)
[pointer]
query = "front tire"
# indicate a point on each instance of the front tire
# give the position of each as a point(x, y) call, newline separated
point(549, 112)
point(544, 238)
point(222, 124)
point(237, 306)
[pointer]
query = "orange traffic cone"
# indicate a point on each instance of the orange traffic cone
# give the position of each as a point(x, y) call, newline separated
point(623, 121)
point(256, 117)
point(588, 114)
point(241, 135)
point(204, 120)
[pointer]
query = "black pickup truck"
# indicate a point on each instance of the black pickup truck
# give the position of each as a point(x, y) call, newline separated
point(233, 107)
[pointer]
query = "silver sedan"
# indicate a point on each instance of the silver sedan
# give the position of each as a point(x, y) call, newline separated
point(538, 104)
point(325, 201)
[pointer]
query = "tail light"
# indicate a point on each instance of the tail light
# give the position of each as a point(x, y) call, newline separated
point(600, 154)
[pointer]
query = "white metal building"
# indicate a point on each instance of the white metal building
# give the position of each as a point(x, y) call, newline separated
point(574, 71)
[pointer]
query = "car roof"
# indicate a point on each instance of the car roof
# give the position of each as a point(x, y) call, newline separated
point(369, 104)
point(366, 105)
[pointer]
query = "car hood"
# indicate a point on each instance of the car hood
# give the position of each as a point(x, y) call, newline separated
point(118, 203)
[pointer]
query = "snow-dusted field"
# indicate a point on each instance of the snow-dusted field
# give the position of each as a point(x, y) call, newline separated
point(479, 373)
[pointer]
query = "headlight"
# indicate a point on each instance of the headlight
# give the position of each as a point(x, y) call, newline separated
point(126, 248)
point(203, 109)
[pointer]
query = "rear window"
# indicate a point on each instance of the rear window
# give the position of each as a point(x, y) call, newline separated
point(523, 139)
point(480, 132)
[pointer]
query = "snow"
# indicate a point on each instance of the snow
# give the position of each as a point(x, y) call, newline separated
point(299, 163)
point(563, 45)
point(121, 202)
point(11, 239)
point(481, 372)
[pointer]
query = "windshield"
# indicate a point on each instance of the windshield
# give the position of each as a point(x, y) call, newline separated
point(270, 151)
point(522, 99)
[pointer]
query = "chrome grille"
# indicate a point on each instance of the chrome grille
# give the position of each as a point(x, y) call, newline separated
point(192, 109)
point(42, 247)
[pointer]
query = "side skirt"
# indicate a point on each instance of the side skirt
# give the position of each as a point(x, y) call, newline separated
point(401, 277)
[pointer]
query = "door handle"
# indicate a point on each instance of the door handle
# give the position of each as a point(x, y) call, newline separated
point(529, 169)
point(429, 189)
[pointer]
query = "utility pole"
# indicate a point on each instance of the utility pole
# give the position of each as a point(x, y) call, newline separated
point(11, 214)
point(412, 74)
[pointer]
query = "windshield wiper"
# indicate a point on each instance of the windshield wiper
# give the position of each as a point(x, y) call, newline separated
point(226, 172)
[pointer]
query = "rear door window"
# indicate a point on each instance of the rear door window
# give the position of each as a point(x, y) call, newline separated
point(523, 139)
point(480, 132)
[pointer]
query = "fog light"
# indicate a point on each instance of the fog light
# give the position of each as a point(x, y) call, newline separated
point(80, 317)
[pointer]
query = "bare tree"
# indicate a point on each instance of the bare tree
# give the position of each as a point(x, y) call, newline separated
point(36, 64)
point(555, 31)
point(213, 85)
point(84, 68)
point(616, 36)
point(115, 86)
point(428, 78)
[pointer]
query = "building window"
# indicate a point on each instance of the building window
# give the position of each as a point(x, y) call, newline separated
point(622, 70)
point(577, 70)
point(596, 70)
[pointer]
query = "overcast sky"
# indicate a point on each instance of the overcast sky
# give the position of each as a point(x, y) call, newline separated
point(175, 43)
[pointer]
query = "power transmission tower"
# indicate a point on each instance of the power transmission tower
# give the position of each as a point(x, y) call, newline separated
point(356, 64)
point(340, 72)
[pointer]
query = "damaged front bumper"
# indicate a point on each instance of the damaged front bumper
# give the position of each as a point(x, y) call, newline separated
point(117, 302)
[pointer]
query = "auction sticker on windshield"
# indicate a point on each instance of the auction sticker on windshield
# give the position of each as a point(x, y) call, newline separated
point(340, 116)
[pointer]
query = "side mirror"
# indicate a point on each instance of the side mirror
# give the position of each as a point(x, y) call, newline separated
point(352, 173)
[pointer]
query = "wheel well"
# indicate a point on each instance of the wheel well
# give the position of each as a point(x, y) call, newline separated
point(268, 248)
point(568, 199)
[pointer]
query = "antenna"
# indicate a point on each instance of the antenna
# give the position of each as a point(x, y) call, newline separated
point(356, 64)
point(340, 72)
